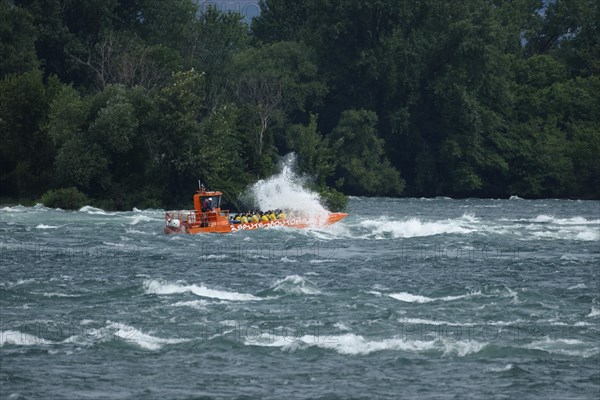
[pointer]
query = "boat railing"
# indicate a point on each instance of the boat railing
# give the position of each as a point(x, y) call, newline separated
point(189, 217)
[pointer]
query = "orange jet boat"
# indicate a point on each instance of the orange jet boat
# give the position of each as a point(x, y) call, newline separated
point(207, 217)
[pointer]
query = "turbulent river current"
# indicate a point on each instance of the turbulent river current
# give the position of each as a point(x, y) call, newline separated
point(405, 298)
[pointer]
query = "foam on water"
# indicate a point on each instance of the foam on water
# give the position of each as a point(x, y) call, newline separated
point(383, 227)
point(295, 284)
point(411, 298)
point(506, 368)
point(197, 304)
point(14, 209)
point(158, 286)
point(570, 347)
point(140, 218)
point(138, 232)
point(44, 226)
point(549, 219)
point(582, 233)
point(287, 191)
point(352, 344)
point(594, 313)
point(132, 335)
point(578, 286)
point(424, 321)
point(21, 339)
point(94, 211)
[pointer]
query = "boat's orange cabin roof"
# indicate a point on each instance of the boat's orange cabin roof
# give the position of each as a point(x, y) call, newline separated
point(212, 193)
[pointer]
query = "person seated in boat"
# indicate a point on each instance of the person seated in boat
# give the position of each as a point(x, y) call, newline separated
point(244, 219)
point(208, 205)
point(264, 217)
point(272, 216)
point(254, 217)
point(238, 217)
point(280, 214)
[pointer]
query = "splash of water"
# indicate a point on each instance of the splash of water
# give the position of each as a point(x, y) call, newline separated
point(287, 190)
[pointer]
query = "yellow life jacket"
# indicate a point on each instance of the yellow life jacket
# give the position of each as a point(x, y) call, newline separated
point(244, 220)
point(272, 217)
point(264, 218)
point(238, 218)
point(281, 216)
point(254, 218)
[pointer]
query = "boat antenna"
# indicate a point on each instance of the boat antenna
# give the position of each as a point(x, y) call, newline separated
point(201, 186)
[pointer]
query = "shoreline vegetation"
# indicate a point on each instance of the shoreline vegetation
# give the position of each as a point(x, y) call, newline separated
point(126, 105)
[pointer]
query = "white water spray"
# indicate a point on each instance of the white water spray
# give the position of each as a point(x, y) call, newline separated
point(287, 191)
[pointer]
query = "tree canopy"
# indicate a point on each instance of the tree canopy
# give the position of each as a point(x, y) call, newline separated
point(130, 103)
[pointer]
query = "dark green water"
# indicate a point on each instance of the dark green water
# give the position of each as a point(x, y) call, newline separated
point(406, 298)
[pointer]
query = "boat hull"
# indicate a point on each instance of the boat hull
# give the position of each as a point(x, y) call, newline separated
point(219, 226)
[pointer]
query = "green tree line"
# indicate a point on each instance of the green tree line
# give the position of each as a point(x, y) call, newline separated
point(131, 102)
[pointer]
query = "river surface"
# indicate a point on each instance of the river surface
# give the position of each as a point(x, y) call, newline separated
point(405, 298)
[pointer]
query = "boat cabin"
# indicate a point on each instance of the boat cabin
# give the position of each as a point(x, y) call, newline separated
point(205, 202)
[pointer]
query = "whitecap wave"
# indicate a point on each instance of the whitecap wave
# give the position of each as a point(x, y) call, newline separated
point(351, 344)
point(140, 218)
point(56, 294)
point(384, 227)
point(578, 286)
point(94, 210)
point(44, 226)
point(158, 286)
point(507, 367)
point(295, 284)
point(197, 304)
point(18, 283)
point(14, 209)
point(594, 313)
point(21, 339)
point(589, 235)
point(570, 347)
point(425, 321)
point(143, 340)
point(138, 232)
point(550, 219)
point(412, 298)
point(574, 233)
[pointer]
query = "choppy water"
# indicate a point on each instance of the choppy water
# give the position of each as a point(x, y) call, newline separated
point(406, 298)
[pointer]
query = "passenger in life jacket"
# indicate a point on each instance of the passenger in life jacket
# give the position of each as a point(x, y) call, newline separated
point(254, 217)
point(244, 219)
point(281, 214)
point(264, 217)
point(208, 205)
point(272, 216)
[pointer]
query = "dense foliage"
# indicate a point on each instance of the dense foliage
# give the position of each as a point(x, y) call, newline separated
point(132, 102)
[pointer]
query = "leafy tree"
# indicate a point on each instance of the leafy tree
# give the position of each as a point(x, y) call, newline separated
point(362, 167)
point(17, 40)
point(67, 199)
point(26, 151)
point(273, 81)
point(211, 43)
point(315, 155)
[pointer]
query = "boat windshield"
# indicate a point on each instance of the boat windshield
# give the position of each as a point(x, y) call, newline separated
point(216, 201)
